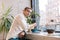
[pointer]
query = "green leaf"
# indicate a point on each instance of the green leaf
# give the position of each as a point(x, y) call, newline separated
point(12, 16)
point(1, 29)
point(2, 5)
point(7, 12)
point(1, 26)
point(7, 24)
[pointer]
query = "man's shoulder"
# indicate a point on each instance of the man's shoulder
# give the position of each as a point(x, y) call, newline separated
point(18, 15)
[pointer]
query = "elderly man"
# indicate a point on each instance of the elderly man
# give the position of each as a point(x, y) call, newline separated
point(20, 25)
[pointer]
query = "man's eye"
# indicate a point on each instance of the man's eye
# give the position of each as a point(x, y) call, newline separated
point(28, 11)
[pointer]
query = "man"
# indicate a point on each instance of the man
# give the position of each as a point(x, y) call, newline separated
point(20, 25)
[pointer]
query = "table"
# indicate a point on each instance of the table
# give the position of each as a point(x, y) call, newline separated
point(43, 36)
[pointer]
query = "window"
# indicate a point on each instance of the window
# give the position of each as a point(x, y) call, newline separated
point(42, 10)
point(49, 9)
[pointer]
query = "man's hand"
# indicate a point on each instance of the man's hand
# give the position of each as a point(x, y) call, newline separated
point(21, 34)
point(32, 26)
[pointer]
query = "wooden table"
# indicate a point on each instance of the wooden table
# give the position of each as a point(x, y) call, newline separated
point(43, 36)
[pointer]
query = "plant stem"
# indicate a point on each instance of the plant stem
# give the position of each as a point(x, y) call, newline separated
point(3, 33)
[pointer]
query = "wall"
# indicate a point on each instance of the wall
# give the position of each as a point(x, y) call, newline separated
point(17, 7)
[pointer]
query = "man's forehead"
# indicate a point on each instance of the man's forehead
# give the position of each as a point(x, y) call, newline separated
point(30, 10)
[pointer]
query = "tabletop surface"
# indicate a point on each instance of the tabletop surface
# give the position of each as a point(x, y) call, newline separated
point(56, 35)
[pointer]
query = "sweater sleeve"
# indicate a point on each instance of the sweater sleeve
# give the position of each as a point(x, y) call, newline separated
point(14, 29)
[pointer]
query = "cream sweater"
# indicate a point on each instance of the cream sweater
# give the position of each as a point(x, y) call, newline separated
point(19, 24)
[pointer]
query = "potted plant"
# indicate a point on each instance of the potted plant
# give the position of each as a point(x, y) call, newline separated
point(6, 21)
point(32, 17)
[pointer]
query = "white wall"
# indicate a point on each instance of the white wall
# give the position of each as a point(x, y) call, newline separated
point(17, 7)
